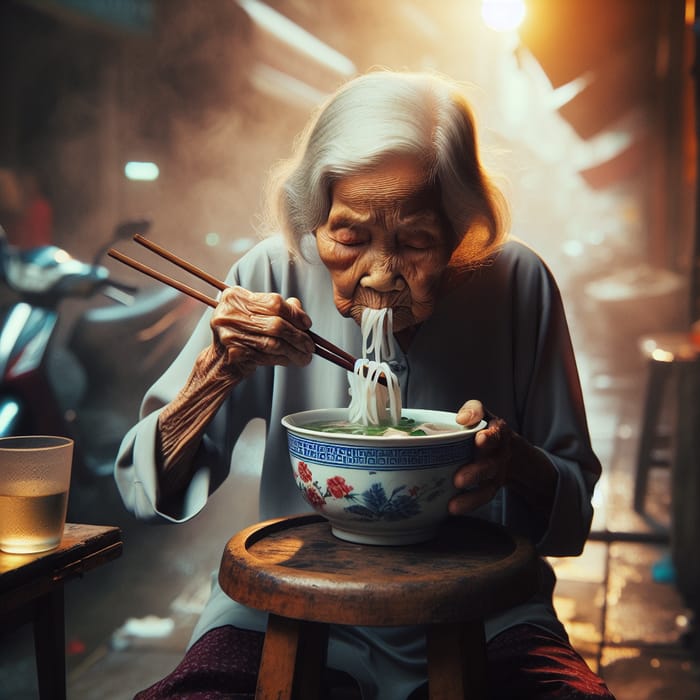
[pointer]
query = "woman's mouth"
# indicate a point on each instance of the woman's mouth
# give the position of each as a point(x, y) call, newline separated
point(401, 311)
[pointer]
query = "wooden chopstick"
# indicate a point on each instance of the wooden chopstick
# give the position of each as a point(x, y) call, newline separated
point(214, 282)
point(180, 262)
point(165, 279)
point(323, 348)
point(335, 359)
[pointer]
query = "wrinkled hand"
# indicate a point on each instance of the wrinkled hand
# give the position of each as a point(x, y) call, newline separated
point(260, 329)
point(249, 330)
point(481, 479)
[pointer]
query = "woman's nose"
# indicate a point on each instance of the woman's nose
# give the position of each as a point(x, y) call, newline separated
point(383, 277)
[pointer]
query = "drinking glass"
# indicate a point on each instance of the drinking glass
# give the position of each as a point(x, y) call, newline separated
point(35, 475)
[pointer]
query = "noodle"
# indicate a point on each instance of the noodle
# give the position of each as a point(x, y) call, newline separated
point(372, 403)
point(377, 331)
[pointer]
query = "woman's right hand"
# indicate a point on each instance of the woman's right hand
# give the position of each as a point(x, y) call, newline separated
point(250, 330)
point(260, 329)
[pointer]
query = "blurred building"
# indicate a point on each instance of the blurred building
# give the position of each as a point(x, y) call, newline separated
point(592, 102)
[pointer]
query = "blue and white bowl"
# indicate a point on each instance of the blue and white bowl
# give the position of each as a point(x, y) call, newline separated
point(383, 490)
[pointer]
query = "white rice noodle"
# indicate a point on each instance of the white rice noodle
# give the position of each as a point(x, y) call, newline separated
point(377, 334)
point(372, 403)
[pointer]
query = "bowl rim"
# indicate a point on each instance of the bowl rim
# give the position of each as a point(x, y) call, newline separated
point(289, 421)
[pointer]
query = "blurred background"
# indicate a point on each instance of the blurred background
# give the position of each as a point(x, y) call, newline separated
point(175, 111)
point(594, 97)
point(171, 113)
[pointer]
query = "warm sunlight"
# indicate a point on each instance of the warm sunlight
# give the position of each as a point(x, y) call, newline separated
point(503, 15)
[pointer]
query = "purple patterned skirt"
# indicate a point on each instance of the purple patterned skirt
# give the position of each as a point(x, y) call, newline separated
point(524, 662)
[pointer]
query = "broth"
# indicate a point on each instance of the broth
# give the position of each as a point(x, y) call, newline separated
point(406, 427)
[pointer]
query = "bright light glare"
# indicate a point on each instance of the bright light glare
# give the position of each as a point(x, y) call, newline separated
point(138, 170)
point(61, 256)
point(661, 355)
point(503, 15)
point(8, 413)
point(293, 35)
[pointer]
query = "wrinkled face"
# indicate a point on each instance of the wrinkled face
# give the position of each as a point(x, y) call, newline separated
point(385, 242)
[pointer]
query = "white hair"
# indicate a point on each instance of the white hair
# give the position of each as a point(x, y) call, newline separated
point(386, 113)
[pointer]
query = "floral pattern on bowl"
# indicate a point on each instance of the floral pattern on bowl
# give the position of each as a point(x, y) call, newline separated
point(372, 503)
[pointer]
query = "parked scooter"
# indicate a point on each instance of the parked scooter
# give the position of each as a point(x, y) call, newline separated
point(85, 381)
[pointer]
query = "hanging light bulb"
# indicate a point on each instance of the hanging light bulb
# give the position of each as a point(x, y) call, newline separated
point(503, 15)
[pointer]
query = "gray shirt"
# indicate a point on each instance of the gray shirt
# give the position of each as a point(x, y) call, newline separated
point(499, 336)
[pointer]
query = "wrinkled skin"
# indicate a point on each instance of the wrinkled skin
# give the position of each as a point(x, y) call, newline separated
point(385, 243)
point(253, 330)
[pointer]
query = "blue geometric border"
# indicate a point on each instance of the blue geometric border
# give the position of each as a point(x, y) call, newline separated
point(330, 454)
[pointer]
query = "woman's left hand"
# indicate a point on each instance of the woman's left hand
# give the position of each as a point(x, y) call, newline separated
point(480, 480)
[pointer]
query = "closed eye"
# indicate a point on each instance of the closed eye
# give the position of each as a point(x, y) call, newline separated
point(419, 240)
point(349, 235)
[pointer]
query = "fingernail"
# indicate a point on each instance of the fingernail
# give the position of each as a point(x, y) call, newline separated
point(467, 417)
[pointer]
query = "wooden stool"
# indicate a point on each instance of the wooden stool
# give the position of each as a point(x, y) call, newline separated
point(667, 354)
point(31, 590)
point(305, 578)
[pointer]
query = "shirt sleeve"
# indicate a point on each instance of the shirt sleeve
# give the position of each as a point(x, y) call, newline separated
point(552, 415)
point(135, 467)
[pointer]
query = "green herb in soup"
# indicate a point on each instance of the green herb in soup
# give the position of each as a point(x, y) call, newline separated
point(406, 427)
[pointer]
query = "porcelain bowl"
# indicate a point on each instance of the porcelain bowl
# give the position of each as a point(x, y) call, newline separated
point(382, 490)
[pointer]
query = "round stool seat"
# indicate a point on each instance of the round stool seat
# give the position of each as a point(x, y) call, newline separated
point(306, 578)
point(297, 568)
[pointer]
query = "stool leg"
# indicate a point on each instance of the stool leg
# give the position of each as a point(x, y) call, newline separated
point(293, 657)
point(50, 645)
point(658, 375)
point(456, 661)
point(276, 674)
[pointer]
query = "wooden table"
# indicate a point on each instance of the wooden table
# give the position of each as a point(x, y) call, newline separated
point(31, 590)
point(305, 578)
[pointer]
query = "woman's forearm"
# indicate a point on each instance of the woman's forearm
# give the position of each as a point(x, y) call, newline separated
point(183, 421)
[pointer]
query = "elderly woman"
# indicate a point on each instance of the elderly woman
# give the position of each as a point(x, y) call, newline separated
point(385, 204)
